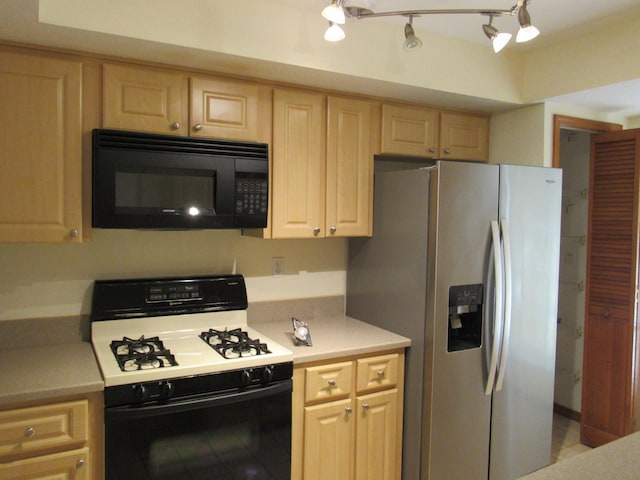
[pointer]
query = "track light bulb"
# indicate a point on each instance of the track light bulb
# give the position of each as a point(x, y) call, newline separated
point(334, 33)
point(499, 40)
point(411, 41)
point(527, 31)
point(334, 12)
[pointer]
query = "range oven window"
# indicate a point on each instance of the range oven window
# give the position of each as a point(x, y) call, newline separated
point(165, 191)
point(245, 437)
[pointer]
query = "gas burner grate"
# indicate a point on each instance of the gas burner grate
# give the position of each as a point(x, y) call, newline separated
point(234, 343)
point(141, 354)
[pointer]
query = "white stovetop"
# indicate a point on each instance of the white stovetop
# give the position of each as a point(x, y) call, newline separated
point(180, 335)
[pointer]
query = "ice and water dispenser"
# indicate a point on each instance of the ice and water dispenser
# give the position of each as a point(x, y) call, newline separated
point(465, 317)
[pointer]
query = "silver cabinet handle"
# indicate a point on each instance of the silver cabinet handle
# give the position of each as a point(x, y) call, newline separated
point(81, 463)
point(365, 406)
point(447, 150)
point(332, 383)
point(197, 127)
point(316, 230)
point(380, 374)
point(348, 410)
point(74, 233)
point(333, 229)
point(175, 126)
point(432, 150)
point(30, 432)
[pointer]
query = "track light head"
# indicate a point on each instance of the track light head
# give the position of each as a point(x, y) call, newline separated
point(334, 12)
point(334, 33)
point(499, 40)
point(527, 31)
point(411, 41)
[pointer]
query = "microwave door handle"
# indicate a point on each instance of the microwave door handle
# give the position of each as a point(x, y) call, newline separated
point(498, 306)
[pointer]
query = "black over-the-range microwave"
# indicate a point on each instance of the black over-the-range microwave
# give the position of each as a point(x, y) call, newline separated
point(148, 181)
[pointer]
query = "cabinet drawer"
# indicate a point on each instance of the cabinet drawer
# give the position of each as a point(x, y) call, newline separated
point(375, 373)
point(37, 429)
point(328, 382)
point(60, 466)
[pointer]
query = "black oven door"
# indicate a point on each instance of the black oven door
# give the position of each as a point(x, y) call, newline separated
point(243, 434)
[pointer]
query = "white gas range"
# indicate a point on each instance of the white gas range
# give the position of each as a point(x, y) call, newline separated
point(191, 391)
point(158, 348)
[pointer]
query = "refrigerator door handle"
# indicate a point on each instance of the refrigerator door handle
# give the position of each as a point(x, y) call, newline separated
point(498, 308)
point(508, 292)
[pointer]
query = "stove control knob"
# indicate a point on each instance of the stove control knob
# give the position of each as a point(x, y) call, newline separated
point(267, 374)
point(141, 392)
point(168, 389)
point(245, 377)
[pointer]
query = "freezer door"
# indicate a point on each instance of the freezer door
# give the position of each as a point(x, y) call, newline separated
point(464, 201)
point(530, 200)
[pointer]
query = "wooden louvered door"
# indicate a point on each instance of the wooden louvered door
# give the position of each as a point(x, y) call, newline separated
point(610, 377)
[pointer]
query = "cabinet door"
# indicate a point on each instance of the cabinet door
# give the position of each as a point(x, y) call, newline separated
point(60, 466)
point(229, 109)
point(329, 441)
point(349, 168)
point(37, 429)
point(464, 137)
point(145, 100)
point(40, 149)
point(298, 174)
point(409, 130)
point(378, 438)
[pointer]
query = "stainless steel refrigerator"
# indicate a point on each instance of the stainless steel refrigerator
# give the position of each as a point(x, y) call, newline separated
point(464, 260)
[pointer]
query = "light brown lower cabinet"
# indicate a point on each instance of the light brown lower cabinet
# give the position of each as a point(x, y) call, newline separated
point(347, 418)
point(61, 440)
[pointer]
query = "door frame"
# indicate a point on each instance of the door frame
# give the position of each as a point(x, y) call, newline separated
point(575, 123)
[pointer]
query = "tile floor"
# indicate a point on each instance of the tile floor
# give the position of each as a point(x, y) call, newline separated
point(566, 439)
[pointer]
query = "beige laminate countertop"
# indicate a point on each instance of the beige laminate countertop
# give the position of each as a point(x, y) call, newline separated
point(332, 337)
point(36, 373)
point(618, 460)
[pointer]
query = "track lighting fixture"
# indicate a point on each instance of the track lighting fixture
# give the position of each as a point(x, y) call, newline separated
point(334, 33)
point(499, 40)
point(527, 31)
point(411, 41)
point(337, 12)
point(334, 12)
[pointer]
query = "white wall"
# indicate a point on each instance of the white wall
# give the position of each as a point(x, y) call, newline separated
point(48, 280)
point(517, 137)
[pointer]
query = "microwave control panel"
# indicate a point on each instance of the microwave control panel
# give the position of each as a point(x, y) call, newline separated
point(251, 196)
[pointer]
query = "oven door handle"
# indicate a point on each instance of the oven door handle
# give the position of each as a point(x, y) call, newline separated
point(127, 412)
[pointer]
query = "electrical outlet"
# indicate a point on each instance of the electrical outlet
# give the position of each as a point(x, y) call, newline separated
point(277, 266)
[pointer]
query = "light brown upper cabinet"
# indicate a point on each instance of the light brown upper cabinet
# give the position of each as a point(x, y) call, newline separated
point(298, 173)
point(350, 149)
point(464, 136)
point(144, 99)
point(424, 132)
point(230, 109)
point(322, 176)
point(168, 102)
point(40, 148)
point(408, 130)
